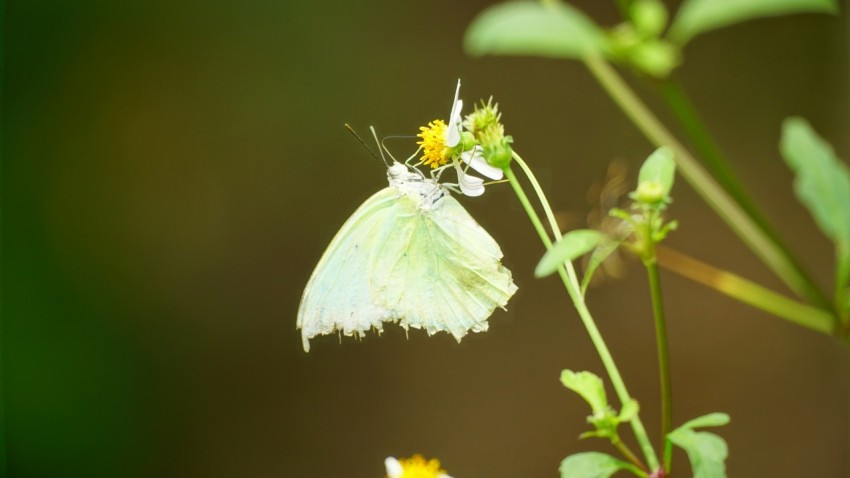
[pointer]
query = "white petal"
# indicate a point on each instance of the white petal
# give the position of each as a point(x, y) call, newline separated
point(394, 468)
point(470, 185)
point(477, 162)
point(443, 475)
point(454, 126)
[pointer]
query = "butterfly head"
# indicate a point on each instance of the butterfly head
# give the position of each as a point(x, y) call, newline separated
point(411, 183)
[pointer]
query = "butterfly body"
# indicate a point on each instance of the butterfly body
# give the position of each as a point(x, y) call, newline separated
point(410, 254)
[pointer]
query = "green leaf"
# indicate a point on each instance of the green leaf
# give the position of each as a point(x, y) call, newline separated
point(593, 464)
point(596, 259)
point(573, 244)
point(552, 29)
point(822, 181)
point(699, 16)
point(706, 451)
point(659, 168)
point(589, 386)
point(716, 419)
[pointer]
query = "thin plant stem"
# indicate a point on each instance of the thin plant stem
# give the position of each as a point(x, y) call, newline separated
point(745, 290)
point(707, 149)
point(663, 348)
point(714, 195)
point(568, 277)
point(627, 452)
point(842, 277)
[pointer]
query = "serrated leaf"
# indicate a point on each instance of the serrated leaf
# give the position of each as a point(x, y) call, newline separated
point(589, 386)
point(699, 16)
point(572, 245)
point(596, 259)
point(659, 168)
point(593, 464)
point(706, 451)
point(552, 29)
point(822, 181)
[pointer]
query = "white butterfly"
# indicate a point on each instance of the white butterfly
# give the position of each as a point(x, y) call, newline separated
point(411, 253)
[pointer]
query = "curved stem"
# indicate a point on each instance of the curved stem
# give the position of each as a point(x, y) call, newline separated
point(683, 109)
point(715, 196)
point(706, 148)
point(568, 277)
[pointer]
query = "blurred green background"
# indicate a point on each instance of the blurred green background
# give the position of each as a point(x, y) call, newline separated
point(173, 171)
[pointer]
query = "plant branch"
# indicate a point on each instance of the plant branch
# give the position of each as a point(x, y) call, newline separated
point(761, 244)
point(746, 291)
point(683, 109)
point(568, 277)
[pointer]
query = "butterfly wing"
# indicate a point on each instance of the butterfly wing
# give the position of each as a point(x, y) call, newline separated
point(441, 271)
point(431, 267)
point(338, 295)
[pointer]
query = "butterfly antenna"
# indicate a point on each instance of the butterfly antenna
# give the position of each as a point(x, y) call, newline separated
point(351, 130)
point(381, 147)
point(384, 146)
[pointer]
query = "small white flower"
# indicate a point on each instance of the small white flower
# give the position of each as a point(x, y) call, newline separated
point(469, 185)
point(415, 466)
point(394, 468)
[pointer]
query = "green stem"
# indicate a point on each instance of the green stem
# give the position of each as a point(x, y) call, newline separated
point(568, 277)
point(687, 115)
point(628, 453)
point(663, 349)
point(684, 110)
point(842, 277)
point(746, 291)
point(715, 196)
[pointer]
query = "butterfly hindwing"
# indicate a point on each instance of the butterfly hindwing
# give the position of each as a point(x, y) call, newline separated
point(439, 270)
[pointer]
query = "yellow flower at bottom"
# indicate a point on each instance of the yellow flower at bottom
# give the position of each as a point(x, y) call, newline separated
point(414, 467)
point(434, 150)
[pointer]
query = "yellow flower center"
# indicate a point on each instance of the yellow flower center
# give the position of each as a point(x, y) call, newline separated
point(417, 467)
point(433, 144)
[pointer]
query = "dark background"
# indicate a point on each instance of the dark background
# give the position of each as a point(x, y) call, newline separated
point(172, 172)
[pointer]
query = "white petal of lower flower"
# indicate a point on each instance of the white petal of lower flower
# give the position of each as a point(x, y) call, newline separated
point(394, 468)
point(477, 162)
point(443, 475)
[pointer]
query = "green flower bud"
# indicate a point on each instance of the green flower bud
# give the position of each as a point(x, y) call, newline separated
point(649, 17)
point(650, 192)
point(499, 155)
